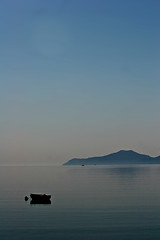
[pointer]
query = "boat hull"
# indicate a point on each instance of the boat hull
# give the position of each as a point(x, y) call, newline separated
point(40, 198)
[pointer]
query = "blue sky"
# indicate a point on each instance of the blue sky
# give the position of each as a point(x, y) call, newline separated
point(78, 78)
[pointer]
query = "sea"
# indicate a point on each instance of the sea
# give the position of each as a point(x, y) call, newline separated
point(114, 202)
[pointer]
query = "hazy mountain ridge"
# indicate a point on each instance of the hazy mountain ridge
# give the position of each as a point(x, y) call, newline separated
point(121, 157)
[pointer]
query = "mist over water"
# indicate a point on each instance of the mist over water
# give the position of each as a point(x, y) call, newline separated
point(91, 202)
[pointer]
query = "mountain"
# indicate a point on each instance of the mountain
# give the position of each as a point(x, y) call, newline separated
point(121, 157)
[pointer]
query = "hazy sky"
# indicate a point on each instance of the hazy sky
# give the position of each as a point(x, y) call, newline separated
point(78, 78)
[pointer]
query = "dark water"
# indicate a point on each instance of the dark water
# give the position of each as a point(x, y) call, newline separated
point(114, 202)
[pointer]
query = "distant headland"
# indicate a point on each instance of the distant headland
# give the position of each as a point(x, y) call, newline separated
point(120, 157)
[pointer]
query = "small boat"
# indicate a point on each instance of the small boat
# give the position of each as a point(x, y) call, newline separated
point(40, 198)
point(36, 196)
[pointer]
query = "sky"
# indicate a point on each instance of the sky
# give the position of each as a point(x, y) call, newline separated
point(78, 78)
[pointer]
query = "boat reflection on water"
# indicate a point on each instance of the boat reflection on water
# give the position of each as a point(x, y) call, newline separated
point(46, 202)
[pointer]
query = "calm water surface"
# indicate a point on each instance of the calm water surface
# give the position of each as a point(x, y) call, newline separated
point(90, 202)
